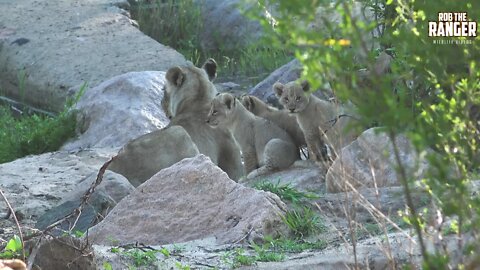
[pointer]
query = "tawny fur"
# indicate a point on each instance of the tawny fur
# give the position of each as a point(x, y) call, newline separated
point(265, 146)
point(322, 122)
point(187, 98)
point(190, 91)
point(281, 118)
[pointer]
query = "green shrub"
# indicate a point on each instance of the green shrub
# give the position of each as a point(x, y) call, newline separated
point(303, 221)
point(36, 133)
point(430, 92)
point(33, 134)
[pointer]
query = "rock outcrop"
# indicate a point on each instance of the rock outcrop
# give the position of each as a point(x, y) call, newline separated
point(111, 190)
point(284, 74)
point(369, 161)
point(35, 184)
point(49, 49)
point(303, 175)
point(192, 199)
point(225, 27)
point(119, 110)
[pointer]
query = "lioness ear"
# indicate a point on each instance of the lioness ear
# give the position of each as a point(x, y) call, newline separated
point(229, 100)
point(175, 76)
point(210, 66)
point(278, 89)
point(305, 86)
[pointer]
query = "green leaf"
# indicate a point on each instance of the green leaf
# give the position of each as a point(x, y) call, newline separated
point(107, 266)
point(14, 245)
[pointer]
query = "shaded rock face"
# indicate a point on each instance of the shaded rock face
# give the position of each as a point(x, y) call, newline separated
point(65, 253)
point(225, 27)
point(305, 176)
point(370, 159)
point(120, 109)
point(111, 190)
point(192, 199)
point(35, 184)
point(60, 45)
point(286, 73)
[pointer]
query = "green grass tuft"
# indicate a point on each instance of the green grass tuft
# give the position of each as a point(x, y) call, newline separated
point(293, 245)
point(285, 191)
point(303, 222)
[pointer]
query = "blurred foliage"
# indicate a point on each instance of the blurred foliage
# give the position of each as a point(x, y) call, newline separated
point(179, 24)
point(429, 91)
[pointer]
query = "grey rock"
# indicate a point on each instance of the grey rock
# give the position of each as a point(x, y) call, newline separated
point(368, 204)
point(225, 27)
point(304, 176)
point(286, 73)
point(35, 184)
point(111, 190)
point(65, 253)
point(113, 185)
point(69, 44)
point(119, 110)
point(98, 207)
point(192, 199)
point(369, 161)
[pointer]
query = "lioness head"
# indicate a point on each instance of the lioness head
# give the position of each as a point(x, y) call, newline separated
point(221, 109)
point(293, 96)
point(189, 84)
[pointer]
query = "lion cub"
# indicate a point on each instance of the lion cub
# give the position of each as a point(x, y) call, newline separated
point(281, 118)
point(322, 122)
point(264, 145)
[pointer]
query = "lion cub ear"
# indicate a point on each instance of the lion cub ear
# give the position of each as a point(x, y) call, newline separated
point(229, 101)
point(175, 76)
point(210, 66)
point(278, 88)
point(305, 85)
point(248, 102)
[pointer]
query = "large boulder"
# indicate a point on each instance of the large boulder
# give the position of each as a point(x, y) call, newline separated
point(48, 49)
point(192, 199)
point(369, 161)
point(225, 26)
point(119, 110)
point(284, 74)
point(108, 193)
point(35, 184)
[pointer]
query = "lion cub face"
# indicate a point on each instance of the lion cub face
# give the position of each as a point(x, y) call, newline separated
point(221, 109)
point(293, 96)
